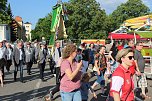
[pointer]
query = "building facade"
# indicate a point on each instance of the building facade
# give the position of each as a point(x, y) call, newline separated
point(5, 32)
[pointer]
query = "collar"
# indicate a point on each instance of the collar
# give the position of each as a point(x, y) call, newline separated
point(124, 69)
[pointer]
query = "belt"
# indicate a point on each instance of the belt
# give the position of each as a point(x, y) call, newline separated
point(75, 90)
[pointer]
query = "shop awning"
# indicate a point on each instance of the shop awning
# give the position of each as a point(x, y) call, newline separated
point(122, 36)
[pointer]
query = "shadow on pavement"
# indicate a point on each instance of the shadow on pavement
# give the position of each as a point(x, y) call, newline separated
point(25, 96)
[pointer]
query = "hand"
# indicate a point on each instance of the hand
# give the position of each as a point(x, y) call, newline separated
point(94, 95)
point(79, 64)
point(98, 72)
point(138, 73)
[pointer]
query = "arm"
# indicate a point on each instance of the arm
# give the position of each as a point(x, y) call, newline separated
point(116, 96)
point(137, 68)
point(136, 64)
point(96, 65)
point(71, 75)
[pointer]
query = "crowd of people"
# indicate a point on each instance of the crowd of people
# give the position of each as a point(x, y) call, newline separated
point(122, 68)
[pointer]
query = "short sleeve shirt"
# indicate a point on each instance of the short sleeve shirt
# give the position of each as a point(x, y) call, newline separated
point(101, 60)
point(66, 84)
point(122, 83)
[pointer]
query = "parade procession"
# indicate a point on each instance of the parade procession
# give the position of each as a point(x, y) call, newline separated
point(78, 52)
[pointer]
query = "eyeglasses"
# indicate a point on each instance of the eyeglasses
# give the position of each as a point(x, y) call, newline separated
point(130, 57)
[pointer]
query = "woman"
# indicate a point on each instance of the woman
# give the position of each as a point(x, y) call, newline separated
point(70, 75)
point(122, 84)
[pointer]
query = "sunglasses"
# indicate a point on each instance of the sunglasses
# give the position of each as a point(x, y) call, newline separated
point(130, 57)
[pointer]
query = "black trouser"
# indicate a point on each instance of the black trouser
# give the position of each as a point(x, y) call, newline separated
point(8, 64)
point(29, 66)
point(2, 64)
point(51, 64)
point(19, 67)
point(42, 67)
point(57, 74)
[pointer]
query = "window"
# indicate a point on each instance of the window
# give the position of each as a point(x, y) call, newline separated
point(1, 27)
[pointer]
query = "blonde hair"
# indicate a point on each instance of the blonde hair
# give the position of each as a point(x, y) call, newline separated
point(85, 76)
point(68, 50)
point(122, 53)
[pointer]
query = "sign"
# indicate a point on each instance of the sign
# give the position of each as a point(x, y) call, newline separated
point(89, 41)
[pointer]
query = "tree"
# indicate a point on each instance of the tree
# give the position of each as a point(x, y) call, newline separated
point(42, 28)
point(87, 20)
point(5, 12)
point(130, 9)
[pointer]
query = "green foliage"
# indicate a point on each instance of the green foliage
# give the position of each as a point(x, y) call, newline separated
point(42, 28)
point(87, 20)
point(130, 9)
point(5, 12)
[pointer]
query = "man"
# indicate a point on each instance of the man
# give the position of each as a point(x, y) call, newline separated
point(9, 56)
point(2, 57)
point(140, 66)
point(29, 57)
point(56, 56)
point(19, 60)
point(41, 57)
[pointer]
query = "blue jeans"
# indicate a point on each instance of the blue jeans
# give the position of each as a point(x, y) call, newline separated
point(71, 96)
point(100, 79)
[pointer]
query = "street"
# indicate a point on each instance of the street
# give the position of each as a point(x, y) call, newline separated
point(34, 89)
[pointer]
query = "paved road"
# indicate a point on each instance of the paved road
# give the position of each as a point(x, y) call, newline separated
point(34, 90)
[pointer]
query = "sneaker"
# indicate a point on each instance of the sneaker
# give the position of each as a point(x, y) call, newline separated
point(51, 96)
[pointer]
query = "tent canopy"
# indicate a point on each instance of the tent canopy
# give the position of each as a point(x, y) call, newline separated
point(145, 34)
point(122, 36)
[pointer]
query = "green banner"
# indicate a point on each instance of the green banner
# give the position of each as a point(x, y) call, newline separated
point(55, 22)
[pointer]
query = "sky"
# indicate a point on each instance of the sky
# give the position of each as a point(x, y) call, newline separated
point(32, 10)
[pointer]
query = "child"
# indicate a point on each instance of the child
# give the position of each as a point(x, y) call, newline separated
point(1, 79)
point(85, 87)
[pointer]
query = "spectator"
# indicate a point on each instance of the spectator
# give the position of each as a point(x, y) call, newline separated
point(140, 66)
point(71, 74)
point(100, 65)
point(91, 54)
point(85, 58)
point(122, 84)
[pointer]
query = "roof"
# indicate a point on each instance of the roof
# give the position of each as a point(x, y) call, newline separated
point(18, 19)
point(27, 23)
point(145, 34)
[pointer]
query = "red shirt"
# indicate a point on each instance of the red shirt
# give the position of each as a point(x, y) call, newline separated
point(120, 47)
point(122, 84)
